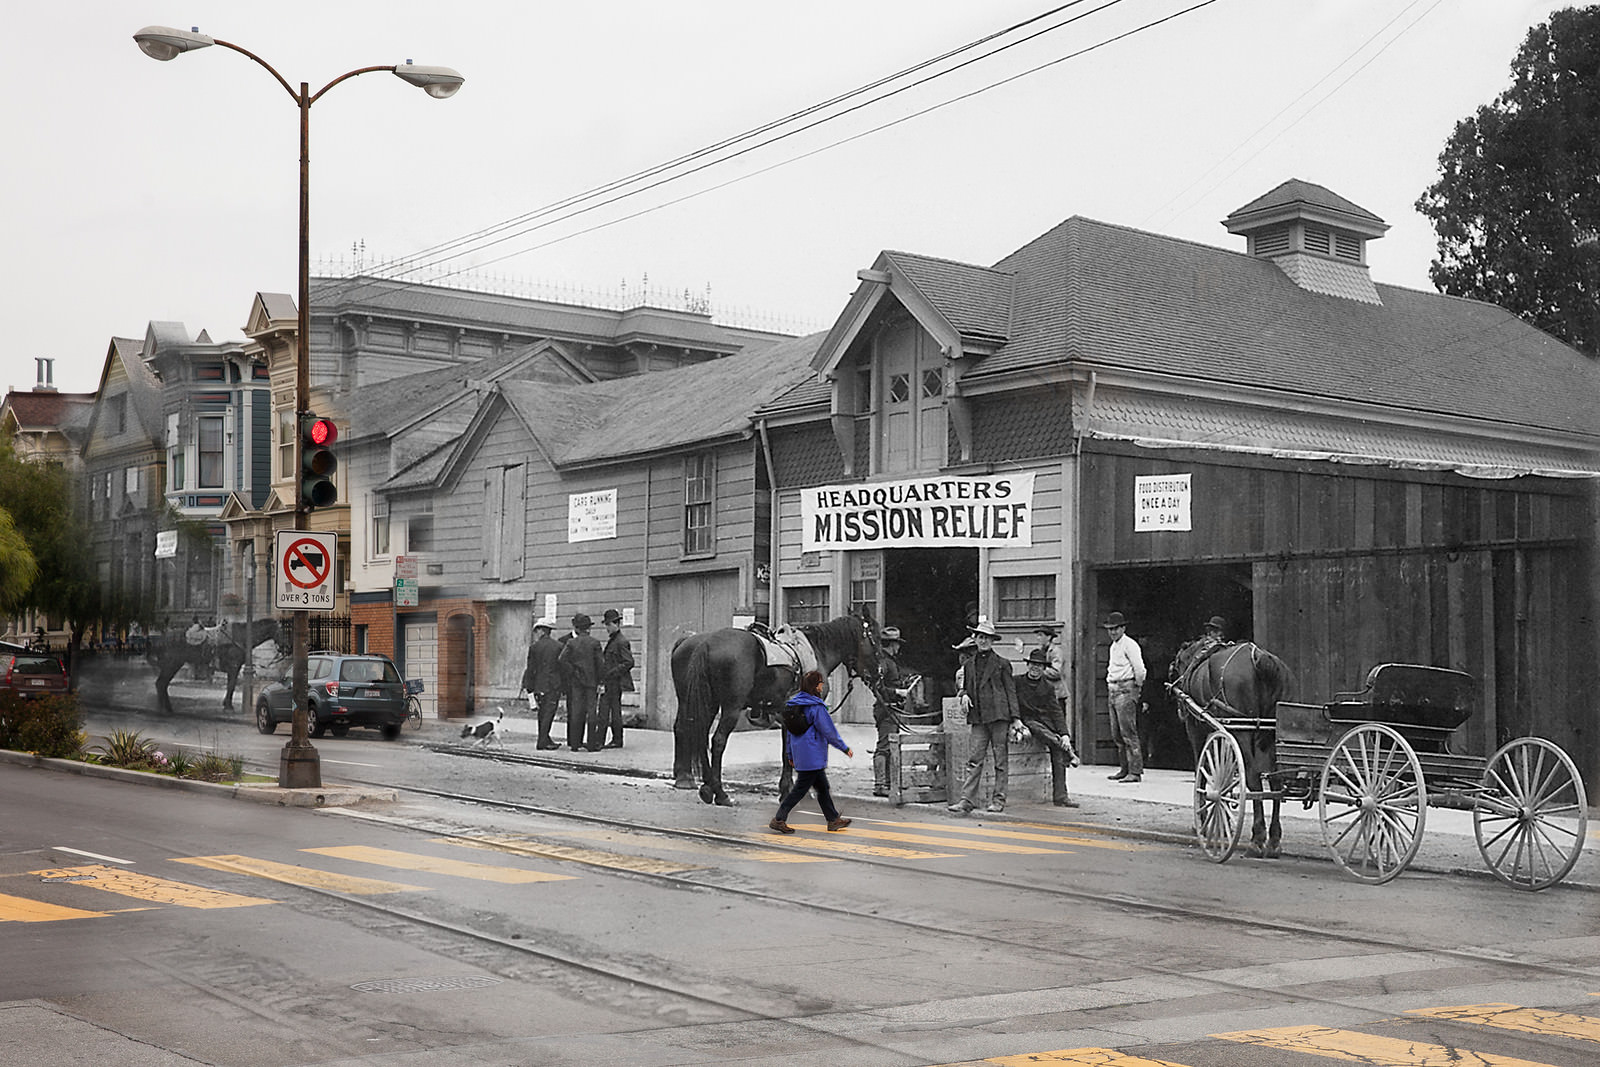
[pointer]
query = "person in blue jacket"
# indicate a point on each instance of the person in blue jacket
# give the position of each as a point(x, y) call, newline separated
point(811, 731)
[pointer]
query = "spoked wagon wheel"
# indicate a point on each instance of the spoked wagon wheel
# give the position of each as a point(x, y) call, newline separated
point(1373, 803)
point(1532, 815)
point(1219, 796)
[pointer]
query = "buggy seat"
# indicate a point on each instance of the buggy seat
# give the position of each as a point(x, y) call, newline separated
point(1408, 695)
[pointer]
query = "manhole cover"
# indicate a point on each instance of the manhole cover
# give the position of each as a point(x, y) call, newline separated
point(426, 985)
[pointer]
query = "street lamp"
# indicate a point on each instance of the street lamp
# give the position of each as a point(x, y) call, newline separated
point(299, 766)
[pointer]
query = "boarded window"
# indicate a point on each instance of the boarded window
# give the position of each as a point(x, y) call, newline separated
point(505, 519)
point(806, 605)
point(1031, 598)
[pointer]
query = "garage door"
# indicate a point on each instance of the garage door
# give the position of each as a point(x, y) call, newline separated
point(422, 661)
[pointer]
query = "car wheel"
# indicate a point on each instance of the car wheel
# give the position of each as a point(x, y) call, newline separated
point(264, 720)
point(391, 731)
point(315, 728)
point(340, 729)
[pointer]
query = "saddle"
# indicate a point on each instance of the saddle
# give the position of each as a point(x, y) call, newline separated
point(788, 648)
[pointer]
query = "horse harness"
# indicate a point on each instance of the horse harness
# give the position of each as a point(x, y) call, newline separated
point(1219, 713)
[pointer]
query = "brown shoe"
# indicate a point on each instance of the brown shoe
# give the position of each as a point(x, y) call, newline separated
point(838, 824)
point(779, 826)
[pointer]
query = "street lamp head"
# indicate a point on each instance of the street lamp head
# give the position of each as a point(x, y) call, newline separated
point(437, 82)
point(164, 42)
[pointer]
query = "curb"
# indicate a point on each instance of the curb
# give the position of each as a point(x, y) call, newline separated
point(328, 796)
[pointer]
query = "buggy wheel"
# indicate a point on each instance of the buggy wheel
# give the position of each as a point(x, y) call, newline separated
point(1531, 817)
point(1219, 796)
point(1373, 804)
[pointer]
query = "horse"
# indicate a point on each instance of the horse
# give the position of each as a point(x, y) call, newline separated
point(227, 645)
point(1239, 681)
point(722, 673)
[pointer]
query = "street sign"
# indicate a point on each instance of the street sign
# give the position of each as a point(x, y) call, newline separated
point(405, 582)
point(306, 563)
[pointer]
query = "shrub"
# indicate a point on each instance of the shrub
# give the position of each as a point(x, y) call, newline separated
point(215, 767)
point(127, 748)
point(46, 726)
point(180, 763)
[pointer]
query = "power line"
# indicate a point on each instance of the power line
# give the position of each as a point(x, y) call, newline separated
point(419, 264)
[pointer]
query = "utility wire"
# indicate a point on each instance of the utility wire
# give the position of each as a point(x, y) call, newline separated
point(767, 127)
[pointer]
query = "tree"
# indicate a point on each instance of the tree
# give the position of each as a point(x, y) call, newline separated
point(18, 568)
point(39, 499)
point(1517, 204)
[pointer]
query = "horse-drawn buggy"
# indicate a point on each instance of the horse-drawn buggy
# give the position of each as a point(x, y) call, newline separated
point(1373, 762)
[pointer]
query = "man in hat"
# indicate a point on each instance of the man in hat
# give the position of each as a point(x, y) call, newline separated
point(583, 663)
point(541, 680)
point(889, 700)
point(616, 679)
point(1212, 637)
point(1042, 715)
point(989, 697)
point(1056, 671)
point(1124, 680)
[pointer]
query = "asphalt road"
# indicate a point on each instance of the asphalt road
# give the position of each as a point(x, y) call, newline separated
point(571, 917)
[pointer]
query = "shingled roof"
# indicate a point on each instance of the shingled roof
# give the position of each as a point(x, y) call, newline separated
point(667, 409)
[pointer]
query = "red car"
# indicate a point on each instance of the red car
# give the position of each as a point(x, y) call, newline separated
point(31, 674)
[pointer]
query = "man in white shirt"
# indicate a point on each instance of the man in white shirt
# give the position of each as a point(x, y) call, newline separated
point(1124, 680)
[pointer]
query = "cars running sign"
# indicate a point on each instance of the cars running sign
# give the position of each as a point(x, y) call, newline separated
point(306, 562)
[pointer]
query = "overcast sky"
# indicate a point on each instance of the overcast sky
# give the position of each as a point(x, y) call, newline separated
point(139, 191)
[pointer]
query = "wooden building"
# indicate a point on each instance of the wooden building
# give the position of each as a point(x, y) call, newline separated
point(1351, 473)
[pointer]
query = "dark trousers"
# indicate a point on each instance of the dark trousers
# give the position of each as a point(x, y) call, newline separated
point(880, 755)
point(1050, 729)
point(803, 781)
point(580, 710)
point(547, 714)
point(610, 716)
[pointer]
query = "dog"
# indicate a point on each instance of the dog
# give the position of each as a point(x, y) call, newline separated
point(486, 731)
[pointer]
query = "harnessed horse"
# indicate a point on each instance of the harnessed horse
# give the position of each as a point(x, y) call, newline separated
point(724, 672)
point(1242, 683)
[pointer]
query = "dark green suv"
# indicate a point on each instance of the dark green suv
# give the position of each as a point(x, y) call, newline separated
point(341, 691)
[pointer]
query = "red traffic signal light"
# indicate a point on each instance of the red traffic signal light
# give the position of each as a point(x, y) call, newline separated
point(317, 462)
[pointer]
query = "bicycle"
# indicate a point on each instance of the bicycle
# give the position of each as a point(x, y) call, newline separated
point(413, 704)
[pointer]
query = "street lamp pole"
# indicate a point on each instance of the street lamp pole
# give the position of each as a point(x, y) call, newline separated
point(299, 766)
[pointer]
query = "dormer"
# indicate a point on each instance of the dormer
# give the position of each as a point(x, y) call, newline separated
point(1315, 236)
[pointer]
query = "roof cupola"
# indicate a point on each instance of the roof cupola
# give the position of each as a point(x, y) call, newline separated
point(1315, 236)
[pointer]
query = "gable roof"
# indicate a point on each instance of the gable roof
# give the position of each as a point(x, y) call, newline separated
point(661, 410)
point(48, 410)
point(144, 388)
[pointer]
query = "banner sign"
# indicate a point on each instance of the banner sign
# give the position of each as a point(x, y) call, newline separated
point(987, 511)
point(591, 516)
point(166, 544)
point(1161, 502)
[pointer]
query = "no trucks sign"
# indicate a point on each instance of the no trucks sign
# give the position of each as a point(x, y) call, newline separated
point(306, 563)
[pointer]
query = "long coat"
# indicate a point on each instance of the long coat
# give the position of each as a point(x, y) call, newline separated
point(618, 658)
point(992, 687)
point(543, 674)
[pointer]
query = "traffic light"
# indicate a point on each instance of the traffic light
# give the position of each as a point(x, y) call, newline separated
point(317, 461)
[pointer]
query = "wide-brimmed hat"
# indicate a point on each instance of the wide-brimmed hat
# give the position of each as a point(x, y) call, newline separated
point(611, 615)
point(1050, 628)
point(985, 627)
point(580, 621)
point(1114, 619)
point(1040, 657)
point(544, 624)
point(889, 633)
point(1216, 622)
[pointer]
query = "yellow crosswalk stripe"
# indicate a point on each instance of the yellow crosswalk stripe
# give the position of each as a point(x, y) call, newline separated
point(841, 843)
point(918, 839)
point(1081, 1057)
point(306, 877)
point(528, 846)
point(412, 861)
point(1524, 1020)
point(128, 883)
point(1355, 1047)
point(700, 848)
point(1056, 838)
point(22, 910)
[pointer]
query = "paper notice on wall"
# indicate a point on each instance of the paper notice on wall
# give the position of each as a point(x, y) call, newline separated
point(591, 516)
point(1161, 502)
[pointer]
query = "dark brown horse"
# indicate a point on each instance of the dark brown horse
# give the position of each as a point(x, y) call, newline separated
point(720, 674)
point(225, 648)
point(1242, 681)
